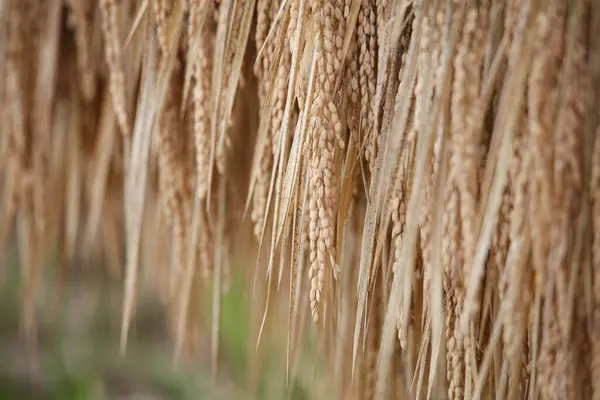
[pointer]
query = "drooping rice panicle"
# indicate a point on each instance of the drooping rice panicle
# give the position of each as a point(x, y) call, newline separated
point(114, 59)
point(80, 18)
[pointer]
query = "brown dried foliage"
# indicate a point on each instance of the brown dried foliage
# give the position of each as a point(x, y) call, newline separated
point(425, 174)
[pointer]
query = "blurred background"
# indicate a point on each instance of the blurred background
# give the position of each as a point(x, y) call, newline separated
point(75, 351)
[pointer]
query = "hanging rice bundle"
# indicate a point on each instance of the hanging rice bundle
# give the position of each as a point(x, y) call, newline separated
point(419, 177)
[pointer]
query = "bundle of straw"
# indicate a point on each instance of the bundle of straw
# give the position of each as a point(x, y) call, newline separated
point(421, 176)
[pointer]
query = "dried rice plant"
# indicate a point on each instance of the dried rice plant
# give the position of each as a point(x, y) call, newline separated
point(421, 176)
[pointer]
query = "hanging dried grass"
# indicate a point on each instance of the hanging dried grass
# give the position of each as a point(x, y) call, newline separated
point(426, 174)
